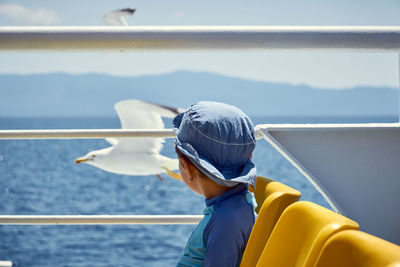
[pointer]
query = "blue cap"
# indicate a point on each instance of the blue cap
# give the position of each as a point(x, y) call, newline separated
point(218, 139)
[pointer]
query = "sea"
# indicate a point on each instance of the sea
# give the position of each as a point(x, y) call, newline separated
point(39, 177)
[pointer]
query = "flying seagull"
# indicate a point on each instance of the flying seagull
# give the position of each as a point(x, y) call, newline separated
point(117, 17)
point(136, 156)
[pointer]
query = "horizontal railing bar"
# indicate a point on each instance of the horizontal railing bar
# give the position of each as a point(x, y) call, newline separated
point(97, 219)
point(315, 38)
point(169, 133)
point(6, 263)
point(85, 133)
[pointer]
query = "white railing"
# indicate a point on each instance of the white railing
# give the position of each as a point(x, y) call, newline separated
point(85, 133)
point(98, 219)
point(165, 133)
point(320, 38)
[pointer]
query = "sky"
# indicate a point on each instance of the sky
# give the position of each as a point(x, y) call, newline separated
point(317, 69)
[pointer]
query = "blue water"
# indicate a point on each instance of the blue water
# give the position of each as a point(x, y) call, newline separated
point(39, 177)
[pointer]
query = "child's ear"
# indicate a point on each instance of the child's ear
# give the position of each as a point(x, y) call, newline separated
point(182, 162)
point(187, 168)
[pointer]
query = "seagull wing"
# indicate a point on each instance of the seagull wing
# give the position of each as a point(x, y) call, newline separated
point(112, 141)
point(136, 114)
point(117, 17)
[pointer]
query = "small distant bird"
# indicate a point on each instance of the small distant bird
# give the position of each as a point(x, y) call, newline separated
point(117, 17)
point(136, 156)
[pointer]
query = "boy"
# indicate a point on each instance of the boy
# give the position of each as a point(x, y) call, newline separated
point(214, 144)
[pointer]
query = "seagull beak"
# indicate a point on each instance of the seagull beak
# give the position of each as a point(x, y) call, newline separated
point(172, 174)
point(80, 160)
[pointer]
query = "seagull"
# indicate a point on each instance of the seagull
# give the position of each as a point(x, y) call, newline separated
point(117, 17)
point(136, 156)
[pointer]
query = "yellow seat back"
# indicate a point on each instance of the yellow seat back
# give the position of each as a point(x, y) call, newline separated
point(300, 233)
point(272, 199)
point(356, 248)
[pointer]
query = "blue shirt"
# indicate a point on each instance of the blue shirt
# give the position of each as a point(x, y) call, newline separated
point(221, 236)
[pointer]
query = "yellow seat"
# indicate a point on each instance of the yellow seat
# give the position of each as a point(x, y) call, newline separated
point(356, 248)
point(272, 199)
point(300, 233)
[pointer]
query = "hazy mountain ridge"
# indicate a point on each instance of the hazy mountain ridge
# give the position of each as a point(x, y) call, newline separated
point(61, 94)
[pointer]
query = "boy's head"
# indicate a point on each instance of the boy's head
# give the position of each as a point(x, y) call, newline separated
point(218, 139)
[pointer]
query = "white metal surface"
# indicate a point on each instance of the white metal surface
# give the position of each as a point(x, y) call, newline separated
point(315, 38)
point(355, 167)
point(85, 133)
point(98, 219)
point(6, 263)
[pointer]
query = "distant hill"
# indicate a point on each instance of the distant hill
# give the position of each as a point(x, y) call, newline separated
point(61, 94)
